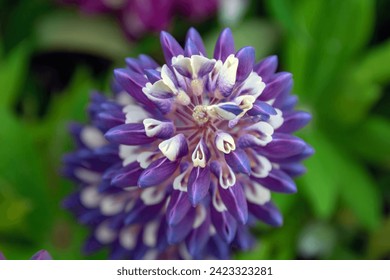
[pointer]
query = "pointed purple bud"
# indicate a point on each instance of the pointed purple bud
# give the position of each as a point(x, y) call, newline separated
point(282, 146)
point(225, 224)
point(107, 120)
point(159, 129)
point(133, 65)
point(307, 152)
point(157, 172)
point(268, 213)
point(127, 176)
point(197, 40)
point(42, 255)
point(175, 147)
point(129, 134)
point(170, 47)
point(293, 169)
point(277, 181)
point(276, 85)
point(235, 202)
point(262, 108)
point(177, 233)
point(152, 75)
point(246, 61)
point(178, 207)
point(133, 83)
point(267, 67)
point(190, 48)
point(225, 45)
point(198, 184)
point(244, 239)
point(294, 121)
point(200, 234)
point(147, 62)
point(238, 161)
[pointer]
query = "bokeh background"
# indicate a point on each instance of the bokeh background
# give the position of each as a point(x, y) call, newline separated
point(53, 55)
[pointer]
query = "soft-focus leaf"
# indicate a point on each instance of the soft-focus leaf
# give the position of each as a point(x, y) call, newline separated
point(321, 182)
point(90, 34)
point(12, 72)
point(374, 66)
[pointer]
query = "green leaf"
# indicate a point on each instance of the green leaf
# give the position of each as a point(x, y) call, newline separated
point(91, 34)
point(321, 182)
point(12, 73)
point(371, 141)
point(372, 67)
point(360, 193)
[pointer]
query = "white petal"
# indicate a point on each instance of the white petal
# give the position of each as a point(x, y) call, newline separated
point(225, 142)
point(151, 196)
point(257, 194)
point(90, 197)
point(104, 234)
point(276, 120)
point(92, 137)
point(134, 113)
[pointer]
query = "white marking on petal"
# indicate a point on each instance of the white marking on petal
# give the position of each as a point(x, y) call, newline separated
point(128, 237)
point(227, 178)
point(130, 205)
point(263, 132)
point(152, 127)
point(151, 196)
point(253, 85)
point(145, 159)
point(150, 234)
point(151, 255)
point(218, 203)
point(92, 137)
point(184, 251)
point(111, 205)
point(228, 72)
point(127, 154)
point(124, 99)
point(104, 234)
point(276, 120)
point(225, 142)
point(90, 197)
point(165, 77)
point(87, 176)
point(171, 147)
point(212, 230)
point(198, 156)
point(134, 113)
point(200, 217)
point(178, 183)
point(262, 167)
point(257, 194)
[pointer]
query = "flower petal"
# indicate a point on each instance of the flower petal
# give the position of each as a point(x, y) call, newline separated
point(277, 181)
point(198, 184)
point(157, 172)
point(235, 202)
point(128, 134)
point(239, 161)
point(178, 207)
point(170, 47)
point(246, 58)
point(225, 45)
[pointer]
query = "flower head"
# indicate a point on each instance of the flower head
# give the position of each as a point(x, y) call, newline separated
point(184, 159)
point(140, 16)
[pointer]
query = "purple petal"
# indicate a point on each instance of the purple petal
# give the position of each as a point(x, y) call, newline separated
point(276, 85)
point(198, 238)
point(127, 176)
point(152, 75)
point(225, 45)
point(246, 58)
point(147, 62)
point(129, 134)
point(142, 213)
point(238, 161)
point(198, 184)
point(231, 108)
point(224, 223)
point(190, 48)
point(42, 255)
point(177, 233)
point(244, 240)
point(277, 181)
point(268, 213)
point(133, 64)
point(282, 146)
point(235, 202)
point(133, 83)
point(307, 152)
point(294, 121)
point(293, 169)
point(157, 172)
point(91, 245)
point(175, 147)
point(178, 207)
point(263, 108)
point(197, 40)
point(267, 67)
point(107, 120)
point(170, 47)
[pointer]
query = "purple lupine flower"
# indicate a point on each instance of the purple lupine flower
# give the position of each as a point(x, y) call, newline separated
point(183, 160)
point(40, 255)
point(138, 17)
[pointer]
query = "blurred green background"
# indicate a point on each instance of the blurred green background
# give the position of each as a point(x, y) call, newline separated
point(51, 56)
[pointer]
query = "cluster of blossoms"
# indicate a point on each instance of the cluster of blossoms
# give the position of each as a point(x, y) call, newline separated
point(182, 161)
point(40, 255)
point(140, 16)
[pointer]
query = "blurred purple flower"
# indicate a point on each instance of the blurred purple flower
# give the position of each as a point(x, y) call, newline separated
point(40, 255)
point(183, 160)
point(140, 16)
